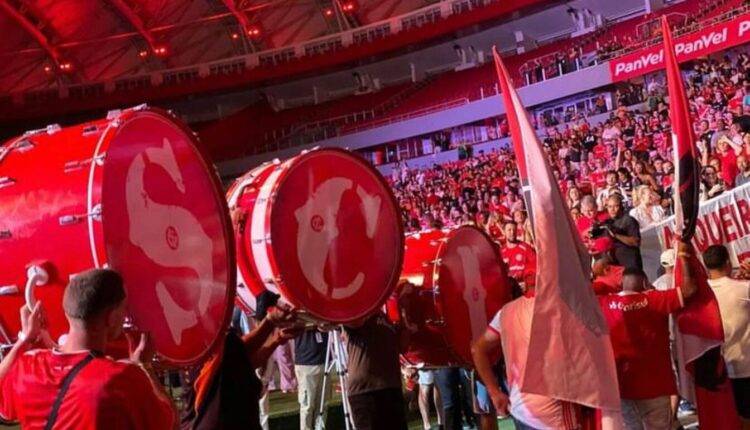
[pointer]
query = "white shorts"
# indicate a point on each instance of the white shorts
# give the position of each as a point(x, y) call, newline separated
point(426, 377)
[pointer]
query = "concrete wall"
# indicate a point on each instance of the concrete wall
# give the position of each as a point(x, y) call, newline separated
point(532, 95)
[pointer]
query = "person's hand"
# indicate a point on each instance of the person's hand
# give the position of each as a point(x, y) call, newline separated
point(33, 322)
point(280, 316)
point(683, 248)
point(744, 272)
point(289, 333)
point(501, 403)
point(140, 347)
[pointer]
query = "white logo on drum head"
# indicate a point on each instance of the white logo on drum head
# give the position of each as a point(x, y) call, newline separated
point(156, 229)
point(475, 294)
point(317, 230)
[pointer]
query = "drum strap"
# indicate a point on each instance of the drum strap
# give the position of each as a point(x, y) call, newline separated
point(66, 385)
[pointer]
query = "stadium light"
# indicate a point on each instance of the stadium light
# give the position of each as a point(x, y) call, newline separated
point(253, 31)
point(161, 51)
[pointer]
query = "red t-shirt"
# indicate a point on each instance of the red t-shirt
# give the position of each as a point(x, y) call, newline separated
point(520, 259)
point(598, 178)
point(595, 246)
point(642, 143)
point(610, 282)
point(729, 167)
point(105, 394)
point(639, 330)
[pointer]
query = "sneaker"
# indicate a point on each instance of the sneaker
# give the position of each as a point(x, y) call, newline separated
point(684, 409)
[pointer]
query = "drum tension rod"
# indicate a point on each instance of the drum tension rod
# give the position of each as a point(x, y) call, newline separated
point(79, 164)
point(96, 213)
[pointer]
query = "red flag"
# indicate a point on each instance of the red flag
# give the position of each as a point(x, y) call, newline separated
point(570, 356)
point(699, 327)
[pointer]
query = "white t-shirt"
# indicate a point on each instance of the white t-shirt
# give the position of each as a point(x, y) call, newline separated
point(664, 282)
point(513, 324)
point(734, 304)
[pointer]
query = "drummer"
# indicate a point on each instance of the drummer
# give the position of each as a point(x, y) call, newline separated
point(226, 388)
point(75, 386)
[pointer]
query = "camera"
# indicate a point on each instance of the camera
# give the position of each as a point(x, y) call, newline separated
point(600, 228)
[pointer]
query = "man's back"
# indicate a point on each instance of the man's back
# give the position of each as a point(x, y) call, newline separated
point(513, 323)
point(639, 331)
point(105, 394)
point(733, 297)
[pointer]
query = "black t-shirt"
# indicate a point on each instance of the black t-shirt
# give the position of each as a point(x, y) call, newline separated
point(310, 348)
point(373, 352)
point(625, 255)
point(231, 399)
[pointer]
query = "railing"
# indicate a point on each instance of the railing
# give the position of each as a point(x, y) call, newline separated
point(692, 28)
point(413, 114)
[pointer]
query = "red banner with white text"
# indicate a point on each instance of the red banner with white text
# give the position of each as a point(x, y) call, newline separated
point(690, 46)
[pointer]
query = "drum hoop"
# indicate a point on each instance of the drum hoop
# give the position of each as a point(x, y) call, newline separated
point(90, 193)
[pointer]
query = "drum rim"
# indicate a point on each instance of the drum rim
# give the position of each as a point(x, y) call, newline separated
point(395, 271)
point(211, 172)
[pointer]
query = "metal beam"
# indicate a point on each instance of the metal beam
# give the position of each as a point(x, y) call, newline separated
point(238, 15)
point(32, 30)
point(127, 13)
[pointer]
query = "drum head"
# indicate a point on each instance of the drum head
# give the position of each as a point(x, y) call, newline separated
point(167, 231)
point(337, 237)
point(473, 287)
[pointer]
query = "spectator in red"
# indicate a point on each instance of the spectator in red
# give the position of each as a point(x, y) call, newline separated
point(639, 331)
point(728, 160)
point(589, 216)
point(520, 257)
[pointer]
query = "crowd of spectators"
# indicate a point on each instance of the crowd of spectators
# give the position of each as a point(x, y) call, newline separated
point(628, 156)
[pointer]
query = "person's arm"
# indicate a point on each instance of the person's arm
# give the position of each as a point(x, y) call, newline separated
point(627, 240)
point(688, 286)
point(631, 236)
point(482, 352)
point(33, 325)
point(263, 340)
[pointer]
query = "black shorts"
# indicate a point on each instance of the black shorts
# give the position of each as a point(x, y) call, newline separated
point(741, 389)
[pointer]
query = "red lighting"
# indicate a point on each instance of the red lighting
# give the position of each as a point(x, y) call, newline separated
point(143, 54)
point(235, 36)
point(328, 12)
point(348, 7)
point(66, 67)
point(160, 51)
point(47, 69)
point(253, 31)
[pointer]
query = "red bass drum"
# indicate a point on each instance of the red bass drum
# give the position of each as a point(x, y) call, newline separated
point(321, 229)
point(453, 284)
point(130, 192)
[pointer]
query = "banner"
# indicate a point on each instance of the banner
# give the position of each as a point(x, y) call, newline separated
point(705, 41)
point(725, 219)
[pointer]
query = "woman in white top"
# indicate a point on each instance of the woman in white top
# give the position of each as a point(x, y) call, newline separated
point(646, 208)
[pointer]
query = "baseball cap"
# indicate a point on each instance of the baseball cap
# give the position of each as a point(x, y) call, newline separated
point(667, 258)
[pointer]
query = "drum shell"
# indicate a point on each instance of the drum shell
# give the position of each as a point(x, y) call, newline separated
point(61, 215)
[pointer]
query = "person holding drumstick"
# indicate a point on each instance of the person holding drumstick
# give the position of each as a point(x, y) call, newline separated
point(75, 386)
point(226, 388)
